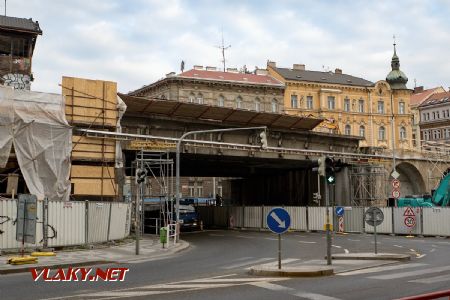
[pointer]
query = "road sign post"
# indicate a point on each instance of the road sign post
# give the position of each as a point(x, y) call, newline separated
point(374, 217)
point(410, 219)
point(278, 221)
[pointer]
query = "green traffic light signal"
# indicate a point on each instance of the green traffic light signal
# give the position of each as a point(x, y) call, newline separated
point(330, 172)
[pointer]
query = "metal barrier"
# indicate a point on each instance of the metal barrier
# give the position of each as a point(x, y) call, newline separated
point(69, 223)
point(172, 233)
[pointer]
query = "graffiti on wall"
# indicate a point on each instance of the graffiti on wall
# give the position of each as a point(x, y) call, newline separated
point(17, 81)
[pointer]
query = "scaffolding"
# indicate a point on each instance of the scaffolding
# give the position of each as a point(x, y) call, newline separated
point(368, 184)
point(436, 153)
point(154, 196)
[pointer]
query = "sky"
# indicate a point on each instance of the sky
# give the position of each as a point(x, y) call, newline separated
point(136, 42)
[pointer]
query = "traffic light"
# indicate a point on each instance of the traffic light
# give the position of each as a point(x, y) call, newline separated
point(263, 137)
point(321, 162)
point(330, 173)
point(141, 175)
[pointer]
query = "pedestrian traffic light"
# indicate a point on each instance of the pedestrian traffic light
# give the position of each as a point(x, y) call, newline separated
point(263, 137)
point(330, 173)
point(321, 162)
point(141, 175)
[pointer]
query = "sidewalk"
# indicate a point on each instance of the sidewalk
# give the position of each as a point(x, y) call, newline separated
point(150, 249)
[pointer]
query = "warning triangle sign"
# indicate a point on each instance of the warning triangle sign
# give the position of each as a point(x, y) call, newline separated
point(409, 212)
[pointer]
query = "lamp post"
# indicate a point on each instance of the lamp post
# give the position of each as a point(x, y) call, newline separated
point(177, 175)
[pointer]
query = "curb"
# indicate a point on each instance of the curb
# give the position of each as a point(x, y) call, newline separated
point(64, 265)
point(397, 257)
point(311, 271)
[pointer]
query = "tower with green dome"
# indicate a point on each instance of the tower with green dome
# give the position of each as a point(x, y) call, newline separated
point(396, 78)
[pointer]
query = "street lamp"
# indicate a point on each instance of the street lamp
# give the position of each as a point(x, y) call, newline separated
point(180, 140)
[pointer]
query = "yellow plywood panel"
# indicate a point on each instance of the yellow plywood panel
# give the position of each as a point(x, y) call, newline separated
point(82, 171)
point(90, 101)
point(93, 187)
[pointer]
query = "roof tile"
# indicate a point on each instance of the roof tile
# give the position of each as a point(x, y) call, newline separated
point(230, 76)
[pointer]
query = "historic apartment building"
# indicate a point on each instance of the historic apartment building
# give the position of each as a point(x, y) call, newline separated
point(418, 97)
point(240, 90)
point(435, 118)
point(351, 105)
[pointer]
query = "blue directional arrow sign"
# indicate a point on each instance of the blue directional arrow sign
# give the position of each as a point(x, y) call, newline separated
point(339, 211)
point(278, 220)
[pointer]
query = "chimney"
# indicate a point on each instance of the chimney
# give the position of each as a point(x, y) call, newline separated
point(261, 72)
point(171, 74)
point(211, 69)
point(338, 71)
point(198, 67)
point(298, 67)
point(232, 70)
point(418, 89)
point(271, 64)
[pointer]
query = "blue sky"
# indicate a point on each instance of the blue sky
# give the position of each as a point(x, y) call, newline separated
point(136, 42)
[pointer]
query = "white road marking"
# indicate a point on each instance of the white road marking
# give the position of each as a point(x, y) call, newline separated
point(272, 287)
point(421, 255)
point(314, 296)
point(246, 263)
point(381, 269)
point(411, 273)
point(305, 242)
point(275, 262)
point(433, 279)
point(271, 239)
point(351, 240)
point(432, 250)
point(291, 291)
point(412, 250)
point(335, 246)
point(245, 236)
point(398, 246)
point(346, 251)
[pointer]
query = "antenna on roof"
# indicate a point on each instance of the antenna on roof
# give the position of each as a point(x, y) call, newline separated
point(5, 8)
point(223, 48)
point(182, 66)
point(415, 83)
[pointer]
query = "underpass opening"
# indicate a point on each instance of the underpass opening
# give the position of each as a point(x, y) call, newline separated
point(411, 180)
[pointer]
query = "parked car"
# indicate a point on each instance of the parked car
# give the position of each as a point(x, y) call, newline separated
point(189, 218)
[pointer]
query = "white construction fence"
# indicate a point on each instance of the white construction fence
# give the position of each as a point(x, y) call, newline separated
point(425, 221)
point(69, 223)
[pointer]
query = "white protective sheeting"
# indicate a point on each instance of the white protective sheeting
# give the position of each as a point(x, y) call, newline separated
point(35, 124)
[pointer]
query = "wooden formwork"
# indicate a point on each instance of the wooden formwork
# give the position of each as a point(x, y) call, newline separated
point(90, 102)
point(93, 180)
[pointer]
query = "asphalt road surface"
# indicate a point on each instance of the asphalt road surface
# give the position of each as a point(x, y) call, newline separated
point(215, 266)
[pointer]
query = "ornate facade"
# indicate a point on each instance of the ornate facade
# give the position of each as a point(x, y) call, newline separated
point(352, 105)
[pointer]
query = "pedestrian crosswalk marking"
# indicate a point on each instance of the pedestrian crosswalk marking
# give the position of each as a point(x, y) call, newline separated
point(291, 291)
point(411, 273)
point(275, 262)
point(381, 269)
point(314, 296)
point(272, 287)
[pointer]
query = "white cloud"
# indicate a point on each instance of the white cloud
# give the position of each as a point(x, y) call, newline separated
point(137, 42)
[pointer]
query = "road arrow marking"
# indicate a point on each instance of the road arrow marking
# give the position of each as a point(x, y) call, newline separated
point(281, 224)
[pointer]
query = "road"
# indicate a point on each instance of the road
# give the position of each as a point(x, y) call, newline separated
point(216, 265)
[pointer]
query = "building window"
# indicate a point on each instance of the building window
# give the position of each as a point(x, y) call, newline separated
point(402, 133)
point(274, 105)
point(239, 102)
point(381, 133)
point(362, 131)
point(447, 133)
point(199, 191)
point(424, 115)
point(257, 105)
point(380, 107)
point(347, 104)
point(437, 134)
point(348, 129)
point(437, 115)
point(220, 190)
point(361, 106)
point(426, 135)
point(192, 98)
point(191, 188)
point(294, 101)
point(401, 108)
point(200, 98)
point(331, 103)
point(309, 102)
point(221, 101)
